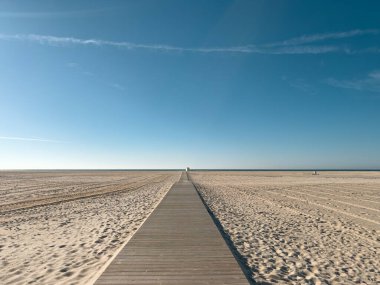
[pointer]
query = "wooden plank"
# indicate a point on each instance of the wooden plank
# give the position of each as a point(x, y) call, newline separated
point(178, 244)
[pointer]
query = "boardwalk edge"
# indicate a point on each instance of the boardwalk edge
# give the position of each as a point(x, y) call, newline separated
point(242, 262)
point(104, 267)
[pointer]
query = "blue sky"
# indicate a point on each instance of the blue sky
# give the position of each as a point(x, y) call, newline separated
point(205, 84)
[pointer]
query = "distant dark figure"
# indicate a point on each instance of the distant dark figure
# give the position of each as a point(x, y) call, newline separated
point(315, 172)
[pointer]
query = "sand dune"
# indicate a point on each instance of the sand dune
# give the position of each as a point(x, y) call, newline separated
point(295, 228)
point(62, 227)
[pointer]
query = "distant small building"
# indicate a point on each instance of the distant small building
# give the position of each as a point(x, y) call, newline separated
point(187, 169)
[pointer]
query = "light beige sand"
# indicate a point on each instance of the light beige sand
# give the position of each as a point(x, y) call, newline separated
point(62, 227)
point(297, 228)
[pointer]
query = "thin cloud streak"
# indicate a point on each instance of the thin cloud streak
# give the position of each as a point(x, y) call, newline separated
point(306, 39)
point(75, 66)
point(51, 14)
point(69, 41)
point(292, 46)
point(370, 83)
point(301, 85)
point(117, 86)
point(29, 139)
point(306, 50)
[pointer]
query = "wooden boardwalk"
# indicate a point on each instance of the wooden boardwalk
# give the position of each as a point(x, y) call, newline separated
point(178, 244)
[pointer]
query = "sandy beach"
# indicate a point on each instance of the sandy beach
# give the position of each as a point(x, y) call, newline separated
point(299, 228)
point(285, 227)
point(176, 142)
point(62, 227)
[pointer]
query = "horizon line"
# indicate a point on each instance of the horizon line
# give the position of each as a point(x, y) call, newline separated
point(191, 169)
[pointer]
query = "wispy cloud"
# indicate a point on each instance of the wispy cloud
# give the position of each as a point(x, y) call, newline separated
point(304, 50)
point(301, 45)
point(370, 83)
point(307, 39)
point(117, 86)
point(72, 64)
point(30, 139)
point(69, 41)
point(302, 85)
point(51, 14)
point(78, 68)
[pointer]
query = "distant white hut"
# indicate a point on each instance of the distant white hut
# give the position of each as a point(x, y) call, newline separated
point(187, 169)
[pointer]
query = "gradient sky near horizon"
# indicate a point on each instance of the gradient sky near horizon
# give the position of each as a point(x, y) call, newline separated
point(205, 84)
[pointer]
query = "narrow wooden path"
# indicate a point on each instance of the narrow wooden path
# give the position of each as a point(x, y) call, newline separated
point(178, 244)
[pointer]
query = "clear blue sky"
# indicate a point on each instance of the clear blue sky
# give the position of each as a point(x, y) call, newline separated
point(205, 84)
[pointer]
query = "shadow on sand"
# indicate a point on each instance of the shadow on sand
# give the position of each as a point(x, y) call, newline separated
point(242, 261)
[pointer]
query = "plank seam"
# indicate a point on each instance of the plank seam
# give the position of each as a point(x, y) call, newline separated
point(242, 261)
point(116, 253)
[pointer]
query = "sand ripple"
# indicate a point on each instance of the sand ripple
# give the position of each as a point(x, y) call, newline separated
point(67, 242)
point(300, 229)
